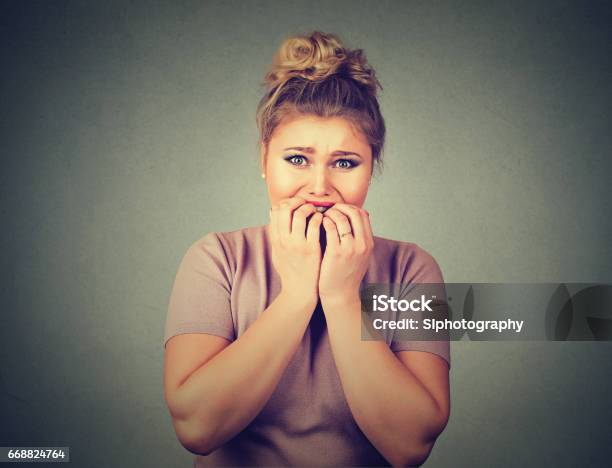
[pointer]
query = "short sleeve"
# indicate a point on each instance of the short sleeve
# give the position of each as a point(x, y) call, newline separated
point(420, 270)
point(200, 300)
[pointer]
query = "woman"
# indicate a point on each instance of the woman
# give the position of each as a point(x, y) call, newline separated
point(264, 364)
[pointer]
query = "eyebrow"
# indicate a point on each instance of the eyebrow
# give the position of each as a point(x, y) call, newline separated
point(310, 150)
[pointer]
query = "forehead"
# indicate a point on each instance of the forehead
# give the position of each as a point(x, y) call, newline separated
point(317, 131)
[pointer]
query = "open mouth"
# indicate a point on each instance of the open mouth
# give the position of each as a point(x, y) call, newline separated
point(321, 207)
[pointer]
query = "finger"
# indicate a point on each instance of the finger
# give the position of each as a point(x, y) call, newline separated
point(313, 230)
point(365, 216)
point(355, 218)
point(331, 234)
point(343, 225)
point(298, 227)
point(286, 207)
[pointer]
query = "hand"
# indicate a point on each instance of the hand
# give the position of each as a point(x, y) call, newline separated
point(347, 256)
point(296, 252)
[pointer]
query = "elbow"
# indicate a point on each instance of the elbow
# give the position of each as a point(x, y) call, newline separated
point(419, 455)
point(196, 446)
point(196, 430)
point(194, 439)
point(416, 456)
point(200, 432)
point(417, 452)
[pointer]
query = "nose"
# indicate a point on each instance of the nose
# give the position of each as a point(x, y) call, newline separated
point(319, 185)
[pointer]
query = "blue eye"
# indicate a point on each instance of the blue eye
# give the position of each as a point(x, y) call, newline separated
point(346, 163)
point(299, 160)
point(296, 159)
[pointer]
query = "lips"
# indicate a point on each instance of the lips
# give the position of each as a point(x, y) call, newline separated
point(320, 205)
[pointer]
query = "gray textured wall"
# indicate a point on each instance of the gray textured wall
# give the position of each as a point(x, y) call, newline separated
point(127, 132)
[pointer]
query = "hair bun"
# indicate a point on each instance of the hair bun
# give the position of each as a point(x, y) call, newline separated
point(317, 56)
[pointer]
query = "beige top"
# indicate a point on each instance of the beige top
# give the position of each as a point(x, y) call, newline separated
point(225, 280)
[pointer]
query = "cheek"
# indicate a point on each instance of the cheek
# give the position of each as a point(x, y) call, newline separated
point(354, 192)
point(281, 183)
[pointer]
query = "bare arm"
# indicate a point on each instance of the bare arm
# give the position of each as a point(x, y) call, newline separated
point(401, 403)
point(224, 387)
point(224, 395)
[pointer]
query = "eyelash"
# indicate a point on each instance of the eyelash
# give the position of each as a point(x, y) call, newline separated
point(350, 161)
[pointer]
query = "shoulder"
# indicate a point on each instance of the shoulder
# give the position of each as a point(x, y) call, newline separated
point(229, 247)
point(230, 241)
point(415, 263)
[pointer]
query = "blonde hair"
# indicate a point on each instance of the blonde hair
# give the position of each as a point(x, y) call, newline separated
point(315, 74)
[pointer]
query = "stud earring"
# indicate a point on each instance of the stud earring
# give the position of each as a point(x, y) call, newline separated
point(263, 176)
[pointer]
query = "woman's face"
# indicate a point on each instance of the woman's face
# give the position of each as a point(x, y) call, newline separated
point(318, 159)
